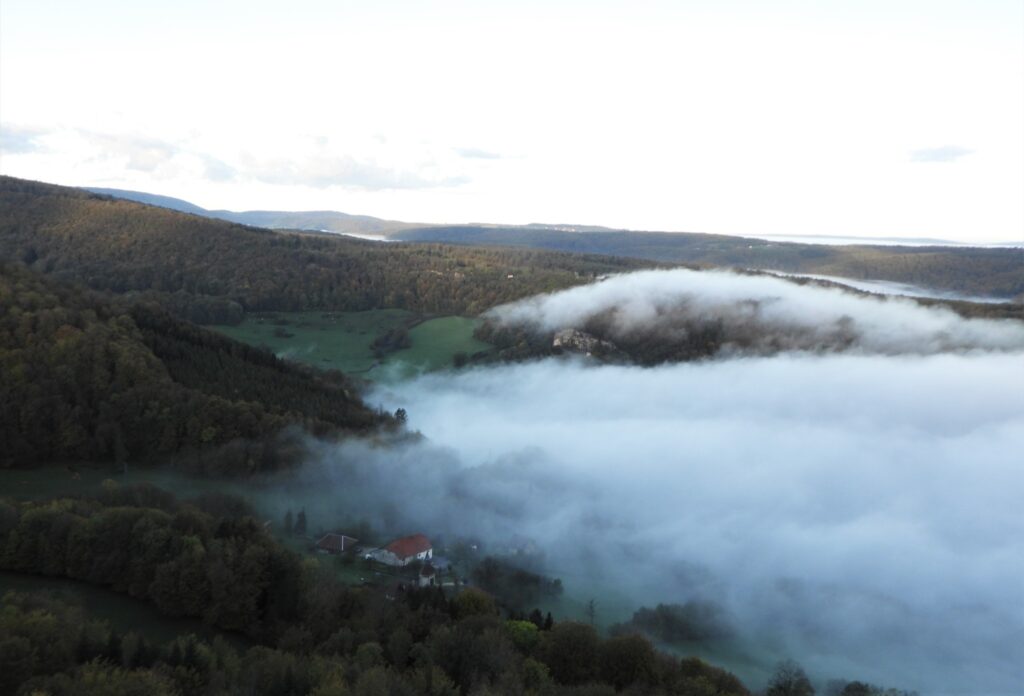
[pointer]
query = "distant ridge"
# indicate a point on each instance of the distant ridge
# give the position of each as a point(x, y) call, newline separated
point(152, 199)
point(993, 271)
point(318, 220)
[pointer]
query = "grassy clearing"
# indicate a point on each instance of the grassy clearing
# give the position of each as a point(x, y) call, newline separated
point(435, 343)
point(329, 340)
point(343, 340)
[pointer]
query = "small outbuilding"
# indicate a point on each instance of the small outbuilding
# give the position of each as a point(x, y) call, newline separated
point(428, 576)
point(335, 543)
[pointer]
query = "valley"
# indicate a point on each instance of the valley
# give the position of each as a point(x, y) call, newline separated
point(600, 450)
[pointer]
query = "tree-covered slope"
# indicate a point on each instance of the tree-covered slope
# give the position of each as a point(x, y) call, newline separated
point(208, 270)
point(84, 379)
point(975, 271)
point(313, 634)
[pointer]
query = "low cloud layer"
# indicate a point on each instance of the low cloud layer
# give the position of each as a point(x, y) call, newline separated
point(860, 514)
point(888, 287)
point(16, 140)
point(758, 315)
point(476, 153)
point(946, 153)
point(324, 171)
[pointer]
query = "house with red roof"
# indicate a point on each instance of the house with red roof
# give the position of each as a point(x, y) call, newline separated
point(402, 552)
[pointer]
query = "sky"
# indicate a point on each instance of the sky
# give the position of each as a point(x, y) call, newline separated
point(875, 118)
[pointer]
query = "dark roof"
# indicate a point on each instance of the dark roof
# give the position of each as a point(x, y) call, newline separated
point(409, 546)
point(336, 542)
point(427, 570)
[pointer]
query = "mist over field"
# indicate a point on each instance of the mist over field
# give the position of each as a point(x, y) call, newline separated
point(758, 314)
point(857, 512)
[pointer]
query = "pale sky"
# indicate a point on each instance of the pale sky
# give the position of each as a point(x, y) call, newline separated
point(870, 118)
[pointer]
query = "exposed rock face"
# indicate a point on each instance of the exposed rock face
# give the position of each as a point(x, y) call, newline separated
point(577, 341)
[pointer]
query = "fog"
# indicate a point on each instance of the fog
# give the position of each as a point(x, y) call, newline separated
point(857, 512)
point(760, 314)
point(887, 287)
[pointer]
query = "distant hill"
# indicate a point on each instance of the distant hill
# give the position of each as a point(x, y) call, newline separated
point(319, 220)
point(996, 272)
point(86, 379)
point(152, 199)
point(211, 271)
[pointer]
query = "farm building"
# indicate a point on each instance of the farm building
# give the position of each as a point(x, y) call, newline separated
point(335, 543)
point(428, 576)
point(402, 552)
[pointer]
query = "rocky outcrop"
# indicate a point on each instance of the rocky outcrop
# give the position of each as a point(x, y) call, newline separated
point(576, 341)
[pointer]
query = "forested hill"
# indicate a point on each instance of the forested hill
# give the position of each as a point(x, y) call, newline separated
point(324, 220)
point(210, 270)
point(87, 380)
point(972, 271)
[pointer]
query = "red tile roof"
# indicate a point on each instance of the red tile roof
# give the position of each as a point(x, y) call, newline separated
point(409, 546)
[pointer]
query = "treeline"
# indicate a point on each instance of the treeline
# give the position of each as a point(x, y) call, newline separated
point(675, 623)
point(85, 379)
point(975, 271)
point(207, 270)
point(515, 588)
point(315, 635)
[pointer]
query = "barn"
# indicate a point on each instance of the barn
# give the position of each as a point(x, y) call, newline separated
point(335, 543)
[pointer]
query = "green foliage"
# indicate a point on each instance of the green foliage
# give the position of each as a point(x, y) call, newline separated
point(677, 623)
point(473, 602)
point(317, 636)
point(205, 269)
point(789, 680)
point(626, 660)
point(570, 650)
point(701, 678)
point(228, 572)
point(86, 380)
point(976, 271)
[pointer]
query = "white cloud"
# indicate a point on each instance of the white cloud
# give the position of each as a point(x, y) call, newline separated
point(946, 153)
point(717, 117)
point(326, 171)
point(476, 153)
point(761, 314)
point(19, 140)
point(858, 513)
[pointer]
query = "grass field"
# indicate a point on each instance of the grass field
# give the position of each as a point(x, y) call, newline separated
point(435, 343)
point(343, 340)
point(330, 340)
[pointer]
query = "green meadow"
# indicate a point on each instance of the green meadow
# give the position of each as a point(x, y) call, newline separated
point(343, 340)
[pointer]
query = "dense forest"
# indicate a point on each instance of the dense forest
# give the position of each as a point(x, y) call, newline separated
point(210, 271)
point(87, 379)
point(311, 634)
point(975, 271)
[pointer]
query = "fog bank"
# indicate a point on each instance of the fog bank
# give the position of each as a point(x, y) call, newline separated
point(757, 314)
point(888, 287)
point(860, 514)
